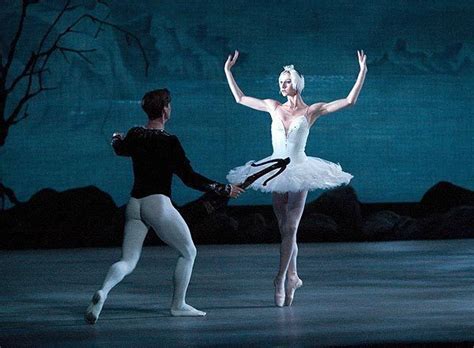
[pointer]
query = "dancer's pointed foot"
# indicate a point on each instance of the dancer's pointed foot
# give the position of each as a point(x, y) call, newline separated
point(95, 307)
point(279, 283)
point(292, 284)
point(187, 311)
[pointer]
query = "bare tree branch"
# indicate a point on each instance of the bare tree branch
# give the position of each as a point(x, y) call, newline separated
point(29, 65)
point(35, 55)
point(25, 115)
point(72, 8)
point(12, 119)
point(99, 28)
point(16, 38)
point(36, 66)
point(56, 20)
point(126, 32)
point(34, 58)
point(27, 96)
point(65, 57)
point(80, 53)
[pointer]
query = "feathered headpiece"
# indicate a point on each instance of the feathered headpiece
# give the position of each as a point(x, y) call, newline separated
point(297, 80)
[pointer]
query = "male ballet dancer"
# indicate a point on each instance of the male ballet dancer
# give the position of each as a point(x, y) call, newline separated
point(156, 156)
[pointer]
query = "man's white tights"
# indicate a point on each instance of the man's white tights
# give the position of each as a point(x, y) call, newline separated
point(154, 211)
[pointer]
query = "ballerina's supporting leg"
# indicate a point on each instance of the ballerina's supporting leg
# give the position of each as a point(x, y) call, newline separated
point(280, 207)
point(296, 204)
point(289, 209)
point(134, 235)
point(173, 230)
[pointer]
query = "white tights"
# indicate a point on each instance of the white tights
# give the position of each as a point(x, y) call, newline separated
point(154, 211)
point(288, 208)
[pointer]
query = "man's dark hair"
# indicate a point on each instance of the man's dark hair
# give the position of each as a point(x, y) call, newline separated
point(154, 102)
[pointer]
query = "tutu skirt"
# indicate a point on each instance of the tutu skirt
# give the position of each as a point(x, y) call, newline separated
point(312, 173)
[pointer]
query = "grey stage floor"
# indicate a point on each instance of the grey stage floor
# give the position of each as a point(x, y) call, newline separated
point(367, 293)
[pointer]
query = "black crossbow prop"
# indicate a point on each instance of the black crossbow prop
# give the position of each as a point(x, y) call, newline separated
point(278, 164)
point(213, 201)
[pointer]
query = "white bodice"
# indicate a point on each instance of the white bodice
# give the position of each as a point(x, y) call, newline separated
point(303, 173)
point(291, 142)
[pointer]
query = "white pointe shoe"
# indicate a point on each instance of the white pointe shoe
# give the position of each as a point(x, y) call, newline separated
point(291, 285)
point(95, 307)
point(279, 293)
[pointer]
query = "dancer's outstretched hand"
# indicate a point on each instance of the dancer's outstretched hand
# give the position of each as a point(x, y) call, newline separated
point(230, 62)
point(235, 191)
point(362, 60)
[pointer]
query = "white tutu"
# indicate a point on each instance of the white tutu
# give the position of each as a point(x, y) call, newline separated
point(311, 174)
point(303, 173)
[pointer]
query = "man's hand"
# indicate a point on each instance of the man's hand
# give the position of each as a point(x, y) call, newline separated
point(235, 191)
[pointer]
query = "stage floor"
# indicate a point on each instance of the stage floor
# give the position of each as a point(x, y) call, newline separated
point(353, 293)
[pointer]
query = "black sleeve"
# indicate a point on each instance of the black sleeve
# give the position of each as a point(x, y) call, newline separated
point(183, 169)
point(121, 145)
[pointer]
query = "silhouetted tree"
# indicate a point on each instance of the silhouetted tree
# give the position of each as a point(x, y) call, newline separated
point(30, 81)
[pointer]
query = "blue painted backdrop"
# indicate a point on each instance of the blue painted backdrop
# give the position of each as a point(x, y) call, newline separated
point(412, 125)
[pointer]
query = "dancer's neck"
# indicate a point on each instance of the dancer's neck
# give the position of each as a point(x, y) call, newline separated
point(156, 124)
point(295, 102)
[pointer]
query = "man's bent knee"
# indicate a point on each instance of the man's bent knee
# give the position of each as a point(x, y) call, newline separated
point(189, 252)
point(127, 266)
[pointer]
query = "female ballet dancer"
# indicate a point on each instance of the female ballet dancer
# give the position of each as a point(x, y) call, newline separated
point(156, 156)
point(290, 126)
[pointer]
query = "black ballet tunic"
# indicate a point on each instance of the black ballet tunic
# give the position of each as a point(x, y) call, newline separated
point(156, 156)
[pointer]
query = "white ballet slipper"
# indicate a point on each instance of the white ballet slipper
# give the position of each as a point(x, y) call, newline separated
point(187, 311)
point(95, 307)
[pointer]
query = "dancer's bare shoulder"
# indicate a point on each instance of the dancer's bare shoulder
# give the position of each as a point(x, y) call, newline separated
point(272, 104)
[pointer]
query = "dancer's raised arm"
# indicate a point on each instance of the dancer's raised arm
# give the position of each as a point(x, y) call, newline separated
point(267, 105)
point(319, 109)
